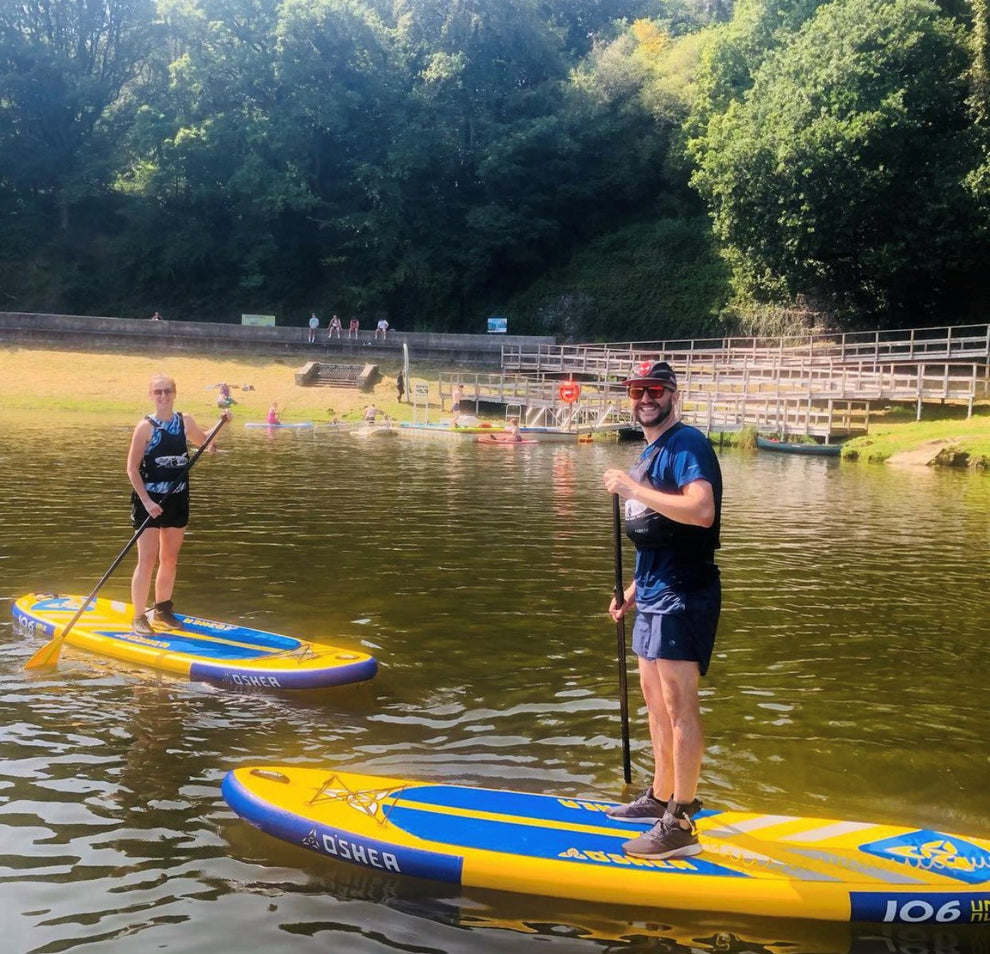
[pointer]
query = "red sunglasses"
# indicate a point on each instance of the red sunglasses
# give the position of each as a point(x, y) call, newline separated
point(655, 391)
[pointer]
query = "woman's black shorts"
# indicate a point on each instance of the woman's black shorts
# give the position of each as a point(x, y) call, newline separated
point(175, 511)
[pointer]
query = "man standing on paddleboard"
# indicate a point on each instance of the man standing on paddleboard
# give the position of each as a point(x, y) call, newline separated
point(157, 464)
point(673, 504)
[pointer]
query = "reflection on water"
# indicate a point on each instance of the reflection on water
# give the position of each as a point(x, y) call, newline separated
point(850, 681)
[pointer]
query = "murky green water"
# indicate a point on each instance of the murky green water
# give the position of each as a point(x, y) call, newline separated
point(851, 680)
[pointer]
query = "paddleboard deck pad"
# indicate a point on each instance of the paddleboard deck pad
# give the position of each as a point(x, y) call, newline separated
point(764, 865)
point(203, 650)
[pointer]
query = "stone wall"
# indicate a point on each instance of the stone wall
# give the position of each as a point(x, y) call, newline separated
point(137, 334)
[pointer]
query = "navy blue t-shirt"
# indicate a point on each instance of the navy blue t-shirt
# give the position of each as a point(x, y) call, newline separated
point(681, 455)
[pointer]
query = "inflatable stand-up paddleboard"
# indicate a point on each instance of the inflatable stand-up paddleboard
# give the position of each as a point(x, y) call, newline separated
point(275, 427)
point(203, 650)
point(411, 427)
point(375, 430)
point(751, 864)
point(491, 439)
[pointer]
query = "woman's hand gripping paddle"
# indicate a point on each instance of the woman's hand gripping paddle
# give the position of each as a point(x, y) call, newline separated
point(620, 633)
point(48, 655)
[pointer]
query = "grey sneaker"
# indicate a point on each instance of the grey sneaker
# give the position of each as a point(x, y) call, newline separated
point(163, 617)
point(645, 808)
point(667, 839)
point(141, 627)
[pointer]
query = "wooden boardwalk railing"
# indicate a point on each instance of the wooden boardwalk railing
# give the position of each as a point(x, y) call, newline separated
point(927, 365)
point(604, 406)
point(968, 343)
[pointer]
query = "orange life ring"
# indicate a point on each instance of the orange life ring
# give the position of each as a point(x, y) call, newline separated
point(569, 392)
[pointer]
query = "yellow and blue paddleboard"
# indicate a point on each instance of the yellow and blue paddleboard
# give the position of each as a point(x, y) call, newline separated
point(203, 650)
point(568, 847)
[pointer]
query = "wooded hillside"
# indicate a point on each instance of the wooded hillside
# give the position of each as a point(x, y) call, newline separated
point(629, 169)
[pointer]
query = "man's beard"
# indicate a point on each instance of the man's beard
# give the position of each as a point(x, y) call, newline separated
point(661, 418)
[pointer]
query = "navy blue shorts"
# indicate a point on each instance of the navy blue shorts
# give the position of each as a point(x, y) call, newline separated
point(175, 513)
point(679, 626)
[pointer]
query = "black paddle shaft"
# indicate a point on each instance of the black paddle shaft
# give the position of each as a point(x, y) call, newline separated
point(620, 633)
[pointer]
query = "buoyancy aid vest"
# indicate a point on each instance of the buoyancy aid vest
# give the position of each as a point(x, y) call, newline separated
point(166, 458)
point(649, 529)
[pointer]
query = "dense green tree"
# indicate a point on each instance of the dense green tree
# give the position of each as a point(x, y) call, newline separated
point(839, 175)
point(68, 75)
point(647, 281)
point(63, 67)
point(482, 77)
point(436, 161)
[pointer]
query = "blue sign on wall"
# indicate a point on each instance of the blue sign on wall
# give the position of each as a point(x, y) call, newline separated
point(497, 325)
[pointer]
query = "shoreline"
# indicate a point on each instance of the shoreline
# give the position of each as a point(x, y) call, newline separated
point(113, 384)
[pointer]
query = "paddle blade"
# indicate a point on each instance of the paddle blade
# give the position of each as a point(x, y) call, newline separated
point(47, 656)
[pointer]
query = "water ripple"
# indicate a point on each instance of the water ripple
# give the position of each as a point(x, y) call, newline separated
point(850, 671)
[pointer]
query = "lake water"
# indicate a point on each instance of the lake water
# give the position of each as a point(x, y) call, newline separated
point(850, 681)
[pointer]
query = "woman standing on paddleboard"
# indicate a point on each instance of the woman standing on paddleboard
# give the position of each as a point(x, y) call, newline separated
point(157, 465)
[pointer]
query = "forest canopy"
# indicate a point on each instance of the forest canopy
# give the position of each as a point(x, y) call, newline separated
point(611, 169)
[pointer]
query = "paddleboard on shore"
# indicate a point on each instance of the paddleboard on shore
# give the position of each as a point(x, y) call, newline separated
point(203, 650)
point(768, 865)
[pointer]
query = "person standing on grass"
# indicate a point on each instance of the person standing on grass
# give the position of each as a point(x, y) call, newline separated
point(673, 510)
point(157, 463)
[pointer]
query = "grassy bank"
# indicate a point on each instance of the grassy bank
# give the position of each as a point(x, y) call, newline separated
point(116, 384)
point(944, 437)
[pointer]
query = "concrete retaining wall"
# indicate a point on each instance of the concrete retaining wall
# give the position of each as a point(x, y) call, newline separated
point(156, 337)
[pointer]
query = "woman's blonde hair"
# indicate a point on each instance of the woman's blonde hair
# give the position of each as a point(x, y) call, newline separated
point(170, 381)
